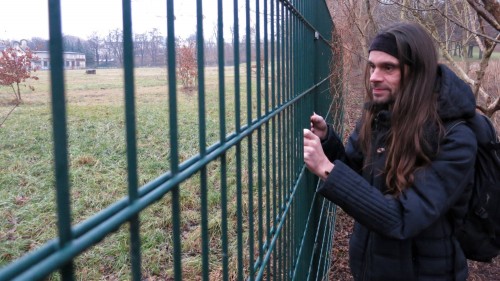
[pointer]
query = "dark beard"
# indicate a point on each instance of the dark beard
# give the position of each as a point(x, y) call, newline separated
point(378, 106)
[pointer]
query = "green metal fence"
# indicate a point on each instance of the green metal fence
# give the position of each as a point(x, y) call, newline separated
point(284, 231)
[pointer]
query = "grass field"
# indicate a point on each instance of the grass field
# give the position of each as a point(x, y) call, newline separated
point(98, 169)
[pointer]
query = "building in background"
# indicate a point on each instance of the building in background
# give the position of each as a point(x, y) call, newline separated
point(72, 60)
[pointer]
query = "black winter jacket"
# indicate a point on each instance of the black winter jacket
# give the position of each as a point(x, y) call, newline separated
point(410, 237)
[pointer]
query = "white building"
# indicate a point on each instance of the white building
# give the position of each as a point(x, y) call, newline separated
point(72, 60)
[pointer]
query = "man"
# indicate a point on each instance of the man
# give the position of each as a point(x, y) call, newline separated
point(405, 174)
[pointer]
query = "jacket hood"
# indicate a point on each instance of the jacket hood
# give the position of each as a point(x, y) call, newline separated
point(456, 100)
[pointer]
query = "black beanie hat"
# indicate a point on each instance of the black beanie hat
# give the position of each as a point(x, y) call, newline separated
point(385, 42)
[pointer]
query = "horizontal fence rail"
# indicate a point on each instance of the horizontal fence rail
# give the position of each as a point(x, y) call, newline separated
point(234, 200)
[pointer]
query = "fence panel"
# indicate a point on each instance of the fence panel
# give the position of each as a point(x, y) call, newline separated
point(257, 216)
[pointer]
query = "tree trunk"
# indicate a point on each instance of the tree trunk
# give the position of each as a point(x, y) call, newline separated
point(19, 99)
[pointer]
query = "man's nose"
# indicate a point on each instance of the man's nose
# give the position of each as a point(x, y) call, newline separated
point(376, 75)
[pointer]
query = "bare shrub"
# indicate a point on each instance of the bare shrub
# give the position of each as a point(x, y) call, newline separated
point(187, 65)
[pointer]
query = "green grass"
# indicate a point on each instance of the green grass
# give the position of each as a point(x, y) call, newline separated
point(98, 170)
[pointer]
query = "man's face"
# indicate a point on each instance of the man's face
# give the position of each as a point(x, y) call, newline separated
point(385, 76)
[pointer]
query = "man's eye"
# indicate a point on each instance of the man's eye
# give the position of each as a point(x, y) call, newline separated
point(389, 67)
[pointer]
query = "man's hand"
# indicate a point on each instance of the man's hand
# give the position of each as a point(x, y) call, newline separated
point(314, 156)
point(318, 126)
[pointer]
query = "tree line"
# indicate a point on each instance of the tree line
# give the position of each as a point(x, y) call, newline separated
point(149, 48)
point(107, 50)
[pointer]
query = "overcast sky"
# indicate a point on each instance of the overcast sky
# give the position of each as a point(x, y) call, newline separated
point(23, 19)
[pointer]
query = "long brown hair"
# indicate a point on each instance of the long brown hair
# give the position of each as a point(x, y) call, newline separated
point(414, 108)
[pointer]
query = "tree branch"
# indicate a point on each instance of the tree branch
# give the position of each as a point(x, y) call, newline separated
point(370, 15)
point(491, 108)
point(14, 91)
point(8, 114)
point(484, 14)
point(466, 28)
point(496, 105)
point(433, 8)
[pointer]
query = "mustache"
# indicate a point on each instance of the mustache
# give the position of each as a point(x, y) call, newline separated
point(378, 86)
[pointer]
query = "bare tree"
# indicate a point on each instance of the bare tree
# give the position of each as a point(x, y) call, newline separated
point(457, 26)
point(211, 47)
point(156, 45)
point(141, 46)
point(95, 43)
point(464, 25)
point(351, 36)
point(488, 12)
point(114, 43)
point(38, 44)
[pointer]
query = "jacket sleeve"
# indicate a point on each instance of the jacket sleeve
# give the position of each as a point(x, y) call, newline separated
point(332, 145)
point(436, 188)
point(335, 150)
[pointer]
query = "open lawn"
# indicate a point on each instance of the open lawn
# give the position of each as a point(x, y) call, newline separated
point(98, 169)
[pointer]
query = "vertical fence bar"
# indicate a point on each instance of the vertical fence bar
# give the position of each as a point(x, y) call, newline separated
point(128, 63)
point(248, 49)
point(60, 133)
point(202, 137)
point(278, 136)
point(237, 105)
point(258, 59)
point(274, 154)
point(239, 210)
point(297, 88)
point(282, 130)
point(292, 148)
point(301, 259)
point(248, 41)
point(174, 149)
point(301, 123)
point(267, 138)
point(289, 141)
point(259, 131)
point(222, 137)
point(331, 214)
